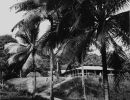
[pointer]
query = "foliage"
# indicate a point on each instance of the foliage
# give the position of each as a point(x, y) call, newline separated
point(120, 63)
point(92, 59)
point(77, 20)
point(3, 54)
point(81, 22)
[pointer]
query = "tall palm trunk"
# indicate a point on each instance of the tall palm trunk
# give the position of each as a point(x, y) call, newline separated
point(34, 67)
point(2, 82)
point(58, 68)
point(105, 76)
point(20, 74)
point(83, 83)
point(35, 81)
point(1, 76)
point(51, 74)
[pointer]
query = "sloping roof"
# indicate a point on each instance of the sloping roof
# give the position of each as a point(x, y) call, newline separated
point(88, 68)
point(90, 60)
point(93, 68)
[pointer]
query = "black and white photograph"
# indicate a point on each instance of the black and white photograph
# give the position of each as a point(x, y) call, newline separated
point(64, 49)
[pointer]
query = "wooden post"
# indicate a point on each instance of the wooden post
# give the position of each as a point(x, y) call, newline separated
point(51, 74)
point(83, 83)
point(2, 80)
point(105, 75)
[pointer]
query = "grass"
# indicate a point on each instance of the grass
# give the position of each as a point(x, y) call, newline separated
point(71, 89)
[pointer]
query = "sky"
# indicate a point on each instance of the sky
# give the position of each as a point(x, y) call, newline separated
point(8, 18)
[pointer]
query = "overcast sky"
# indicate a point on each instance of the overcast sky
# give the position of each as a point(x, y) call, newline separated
point(7, 18)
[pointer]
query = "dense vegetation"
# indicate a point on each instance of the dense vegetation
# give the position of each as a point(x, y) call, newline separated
point(65, 30)
point(3, 54)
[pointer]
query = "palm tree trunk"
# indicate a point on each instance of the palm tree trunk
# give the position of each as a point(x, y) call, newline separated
point(34, 76)
point(1, 76)
point(35, 80)
point(58, 68)
point(51, 74)
point(33, 54)
point(105, 76)
point(20, 74)
point(83, 83)
point(2, 79)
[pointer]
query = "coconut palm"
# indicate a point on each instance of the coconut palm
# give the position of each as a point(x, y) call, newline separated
point(100, 17)
point(73, 51)
point(119, 61)
point(23, 53)
point(106, 26)
point(96, 20)
point(31, 25)
point(36, 12)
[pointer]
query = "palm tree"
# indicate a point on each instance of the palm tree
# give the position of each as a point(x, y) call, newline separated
point(104, 24)
point(74, 51)
point(96, 20)
point(24, 51)
point(119, 61)
point(36, 11)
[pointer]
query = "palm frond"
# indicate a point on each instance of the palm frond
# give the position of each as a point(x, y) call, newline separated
point(76, 23)
point(28, 22)
point(77, 46)
point(31, 19)
point(82, 46)
point(123, 20)
point(11, 60)
point(62, 31)
point(61, 4)
point(30, 30)
point(19, 24)
point(123, 27)
point(10, 45)
point(38, 60)
point(88, 13)
point(28, 63)
point(17, 49)
point(116, 30)
point(80, 1)
point(44, 27)
point(16, 58)
point(25, 5)
point(40, 11)
point(25, 38)
point(112, 6)
point(117, 61)
point(60, 48)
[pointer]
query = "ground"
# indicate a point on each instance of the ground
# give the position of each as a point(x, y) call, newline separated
point(69, 88)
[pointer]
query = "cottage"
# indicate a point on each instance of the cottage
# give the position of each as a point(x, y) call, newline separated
point(88, 70)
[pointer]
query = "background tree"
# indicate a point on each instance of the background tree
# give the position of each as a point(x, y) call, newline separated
point(24, 52)
point(95, 20)
point(3, 55)
point(103, 26)
point(120, 63)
